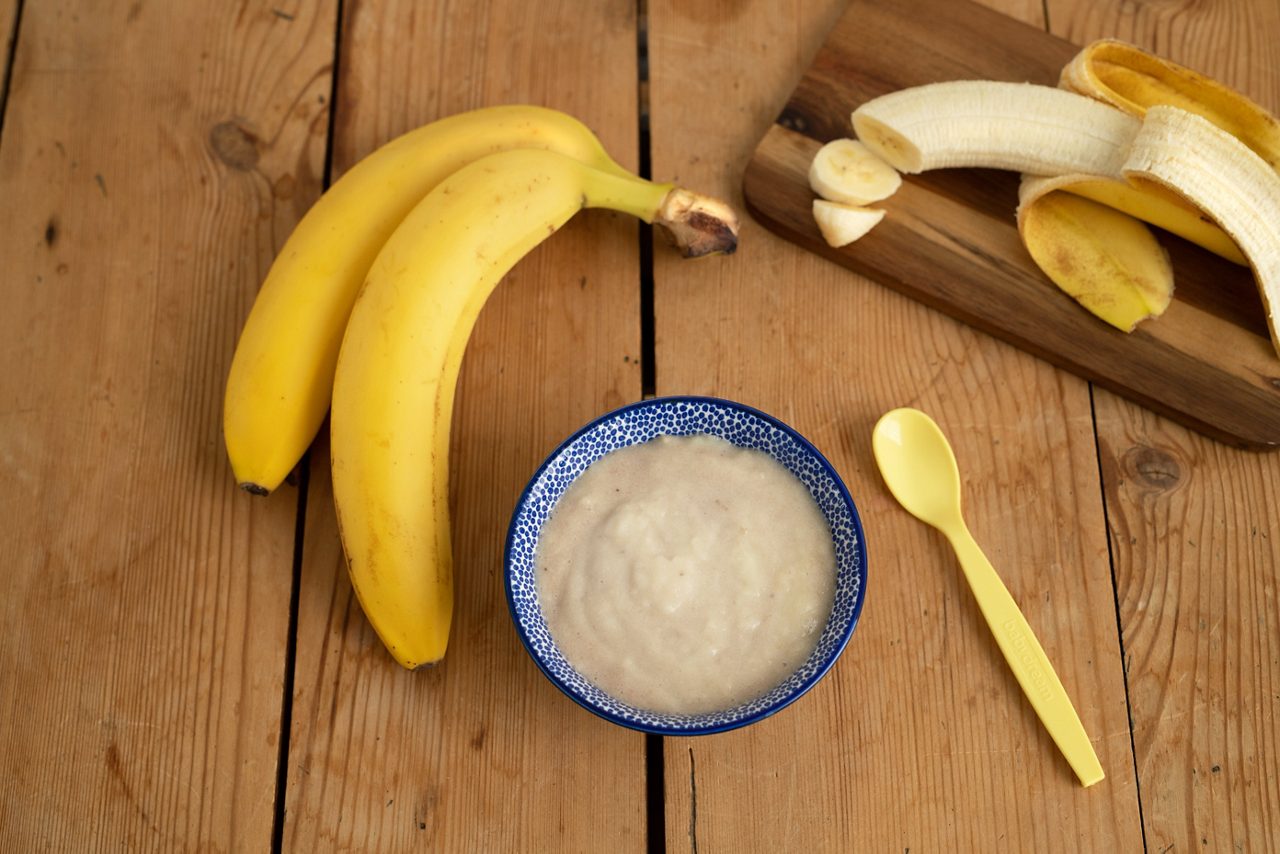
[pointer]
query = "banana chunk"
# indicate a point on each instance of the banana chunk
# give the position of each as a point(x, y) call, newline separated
point(842, 224)
point(845, 170)
point(990, 124)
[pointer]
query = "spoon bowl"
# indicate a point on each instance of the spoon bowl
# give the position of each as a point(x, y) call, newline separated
point(918, 466)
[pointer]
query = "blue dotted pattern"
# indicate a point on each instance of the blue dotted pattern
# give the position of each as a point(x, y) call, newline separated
point(681, 416)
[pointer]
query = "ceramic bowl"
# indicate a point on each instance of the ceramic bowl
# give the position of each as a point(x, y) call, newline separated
point(678, 416)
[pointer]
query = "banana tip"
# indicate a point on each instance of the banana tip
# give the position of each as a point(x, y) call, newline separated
point(698, 225)
point(254, 489)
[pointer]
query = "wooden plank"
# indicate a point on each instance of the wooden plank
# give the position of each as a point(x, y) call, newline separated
point(1193, 528)
point(920, 737)
point(949, 238)
point(143, 627)
point(481, 752)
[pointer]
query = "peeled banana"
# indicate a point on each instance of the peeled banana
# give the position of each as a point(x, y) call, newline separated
point(1165, 145)
point(398, 366)
point(281, 376)
point(984, 123)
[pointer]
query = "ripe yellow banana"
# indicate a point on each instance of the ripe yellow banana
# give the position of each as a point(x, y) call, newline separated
point(398, 367)
point(281, 376)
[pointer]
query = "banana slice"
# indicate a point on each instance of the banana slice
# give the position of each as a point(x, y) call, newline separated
point(985, 123)
point(842, 224)
point(844, 170)
point(1224, 178)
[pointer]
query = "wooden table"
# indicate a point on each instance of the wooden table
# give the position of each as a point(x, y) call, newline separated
point(183, 666)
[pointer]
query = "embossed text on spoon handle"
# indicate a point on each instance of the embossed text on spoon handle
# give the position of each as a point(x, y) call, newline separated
point(1026, 658)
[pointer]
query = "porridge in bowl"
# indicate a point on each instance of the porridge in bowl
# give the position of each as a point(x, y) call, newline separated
point(685, 574)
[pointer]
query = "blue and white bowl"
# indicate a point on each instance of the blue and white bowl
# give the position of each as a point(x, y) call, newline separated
point(679, 416)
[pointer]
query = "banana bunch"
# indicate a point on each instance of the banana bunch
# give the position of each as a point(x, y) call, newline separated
point(1128, 138)
point(367, 310)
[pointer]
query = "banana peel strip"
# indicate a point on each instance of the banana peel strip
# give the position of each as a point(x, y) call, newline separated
point(1152, 204)
point(1133, 80)
point(1226, 179)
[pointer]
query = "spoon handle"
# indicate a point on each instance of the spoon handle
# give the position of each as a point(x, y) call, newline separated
point(1027, 659)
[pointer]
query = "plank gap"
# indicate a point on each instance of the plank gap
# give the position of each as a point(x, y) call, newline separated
point(304, 482)
point(290, 658)
point(10, 52)
point(1115, 592)
point(648, 347)
point(334, 76)
point(654, 767)
point(655, 793)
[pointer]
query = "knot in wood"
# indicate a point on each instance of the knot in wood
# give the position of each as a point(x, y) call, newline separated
point(235, 146)
point(1153, 468)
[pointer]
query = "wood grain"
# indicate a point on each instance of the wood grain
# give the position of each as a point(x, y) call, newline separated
point(481, 752)
point(144, 621)
point(949, 237)
point(920, 737)
point(1193, 528)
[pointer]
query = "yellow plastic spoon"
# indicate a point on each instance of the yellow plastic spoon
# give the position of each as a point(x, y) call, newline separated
point(920, 470)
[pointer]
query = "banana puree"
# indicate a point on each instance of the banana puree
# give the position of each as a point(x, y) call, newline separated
point(686, 575)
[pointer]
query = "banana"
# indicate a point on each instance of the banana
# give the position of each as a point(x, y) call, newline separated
point(1223, 177)
point(1151, 204)
point(984, 123)
point(844, 170)
point(398, 366)
point(1131, 79)
point(842, 224)
point(281, 376)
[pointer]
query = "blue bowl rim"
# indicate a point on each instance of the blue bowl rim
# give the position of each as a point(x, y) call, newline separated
point(766, 712)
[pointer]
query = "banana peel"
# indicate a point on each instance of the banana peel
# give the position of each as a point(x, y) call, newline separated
point(1133, 80)
point(1223, 200)
point(1106, 260)
point(1151, 203)
point(1222, 176)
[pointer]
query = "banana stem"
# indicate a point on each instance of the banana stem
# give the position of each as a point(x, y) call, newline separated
point(698, 225)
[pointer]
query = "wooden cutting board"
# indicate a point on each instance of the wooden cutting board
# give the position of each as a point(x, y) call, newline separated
point(949, 238)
